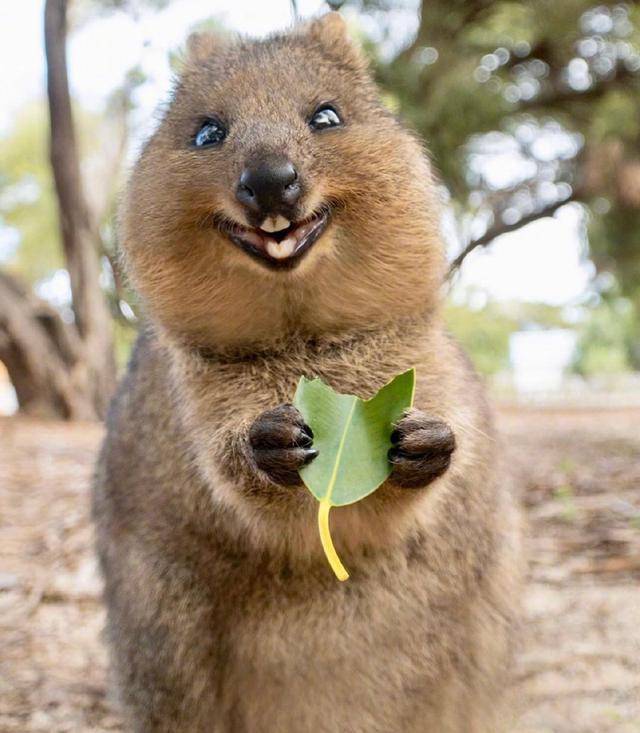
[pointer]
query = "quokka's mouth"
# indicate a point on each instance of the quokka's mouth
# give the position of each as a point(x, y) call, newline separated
point(278, 242)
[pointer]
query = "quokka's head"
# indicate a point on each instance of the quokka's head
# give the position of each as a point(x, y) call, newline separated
point(278, 194)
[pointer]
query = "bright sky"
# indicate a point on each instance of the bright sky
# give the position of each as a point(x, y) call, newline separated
point(541, 262)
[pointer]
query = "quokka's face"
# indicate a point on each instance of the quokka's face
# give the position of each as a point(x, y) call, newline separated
point(266, 144)
point(278, 195)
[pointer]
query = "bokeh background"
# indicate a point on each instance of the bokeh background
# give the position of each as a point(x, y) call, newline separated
point(531, 113)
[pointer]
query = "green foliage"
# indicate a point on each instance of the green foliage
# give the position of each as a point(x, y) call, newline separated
point(27, 196)
point(534, 315)
point(616, 117)
point(484, 334)
point(602, 358)
point(614, 239)
point(508, 23)
point(27, 201)
point(608, 333)
point(607, 339)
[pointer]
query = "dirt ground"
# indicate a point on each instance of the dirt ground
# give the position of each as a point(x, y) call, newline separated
point(579, 670)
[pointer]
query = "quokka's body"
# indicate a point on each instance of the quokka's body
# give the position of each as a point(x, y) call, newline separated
point(222, 612)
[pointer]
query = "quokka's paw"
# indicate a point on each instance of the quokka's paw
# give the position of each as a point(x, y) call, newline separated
point(421, 451)
point(282, 443)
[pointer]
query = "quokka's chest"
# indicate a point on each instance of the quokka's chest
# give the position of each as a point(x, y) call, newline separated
point(353, 370)
point(359, 650)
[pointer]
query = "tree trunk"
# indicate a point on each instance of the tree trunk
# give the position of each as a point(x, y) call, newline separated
point(43, 356)
point(79, 234)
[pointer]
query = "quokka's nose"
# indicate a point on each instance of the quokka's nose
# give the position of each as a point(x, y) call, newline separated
point(270, 186)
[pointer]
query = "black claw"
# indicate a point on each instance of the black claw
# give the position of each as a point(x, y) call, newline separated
point(303, 440)
point(395, 453)
point(395, 437)
point(309, 455)
point(307, 430)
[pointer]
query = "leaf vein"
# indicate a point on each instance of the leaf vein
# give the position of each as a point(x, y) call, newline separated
point(343, 440)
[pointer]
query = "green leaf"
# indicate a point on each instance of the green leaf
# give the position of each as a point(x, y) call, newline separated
point(352, 437)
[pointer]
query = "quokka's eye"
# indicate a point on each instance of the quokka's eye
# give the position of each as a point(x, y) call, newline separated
point(324, 117)
point(211, 132)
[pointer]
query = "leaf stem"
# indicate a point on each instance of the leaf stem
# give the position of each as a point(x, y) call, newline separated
point(327, 543)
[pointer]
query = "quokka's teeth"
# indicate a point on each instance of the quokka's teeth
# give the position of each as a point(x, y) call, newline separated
point(274, 224)
point(281, 250)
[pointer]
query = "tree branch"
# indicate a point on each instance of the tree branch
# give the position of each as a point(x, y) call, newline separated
point(42, 354)
point(499, 229)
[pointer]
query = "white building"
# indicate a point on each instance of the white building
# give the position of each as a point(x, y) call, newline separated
point(540, 359)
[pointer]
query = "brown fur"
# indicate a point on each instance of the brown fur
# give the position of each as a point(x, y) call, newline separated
point(222, 612)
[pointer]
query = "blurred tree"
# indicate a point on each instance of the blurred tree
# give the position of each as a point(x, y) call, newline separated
point(27, 198)
point(484, 332)
point(61, 362)
point(553, 87)
point(27, 195)
point(606, 338)
point(57, 367)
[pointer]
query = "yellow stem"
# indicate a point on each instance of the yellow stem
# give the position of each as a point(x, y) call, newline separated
point(327, 543)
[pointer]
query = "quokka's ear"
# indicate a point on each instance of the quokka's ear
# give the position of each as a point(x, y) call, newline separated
point(331, 31)
point(202, 45)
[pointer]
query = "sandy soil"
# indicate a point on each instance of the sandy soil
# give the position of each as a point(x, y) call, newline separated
point(579, 670)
